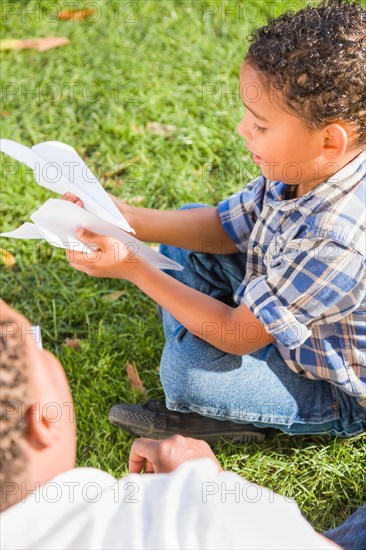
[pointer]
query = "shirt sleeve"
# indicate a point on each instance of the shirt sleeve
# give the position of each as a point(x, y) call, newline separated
point(239, 212)
point(311, 281)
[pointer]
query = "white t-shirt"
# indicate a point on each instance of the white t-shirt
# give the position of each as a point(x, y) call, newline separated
point(192, 507)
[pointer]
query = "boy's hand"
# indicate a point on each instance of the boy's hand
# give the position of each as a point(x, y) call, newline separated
point(108, 258)
point(125, 209)
point(165, 456)
point(72, 198)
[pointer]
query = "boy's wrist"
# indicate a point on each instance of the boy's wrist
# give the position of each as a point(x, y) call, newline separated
point(135, 272)
point(130, 215)
point(126, 210)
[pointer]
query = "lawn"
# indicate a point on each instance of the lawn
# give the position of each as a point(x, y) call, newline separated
point(175, 64)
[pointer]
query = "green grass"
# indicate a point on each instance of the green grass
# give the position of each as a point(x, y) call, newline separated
point(98, 94)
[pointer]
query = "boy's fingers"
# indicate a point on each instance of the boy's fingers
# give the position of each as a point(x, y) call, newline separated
point(149, 467)
point(142, 453)
point(89, 237)
point(72, 198)
point(74, 257)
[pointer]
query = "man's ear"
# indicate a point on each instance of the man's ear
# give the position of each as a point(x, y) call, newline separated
point(41, 431)
point(335, 141)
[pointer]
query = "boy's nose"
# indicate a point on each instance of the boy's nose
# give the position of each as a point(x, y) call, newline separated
point(242, 128)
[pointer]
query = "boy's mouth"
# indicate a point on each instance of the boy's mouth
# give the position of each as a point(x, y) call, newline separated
point(257, 159)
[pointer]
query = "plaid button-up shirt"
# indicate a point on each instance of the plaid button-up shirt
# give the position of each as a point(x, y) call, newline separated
point(305, 274)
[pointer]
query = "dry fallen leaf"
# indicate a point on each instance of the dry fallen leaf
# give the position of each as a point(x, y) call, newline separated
point(76, 15)
point(115, 171)
point(7, 258)
point(134, 378)
point(10, 44)
point(74, 343)
point(113, 296)
point(158, 129)
point(120, 168)
point(137, 128)
point(50, 42)
point(4, 114)
point(40, 44)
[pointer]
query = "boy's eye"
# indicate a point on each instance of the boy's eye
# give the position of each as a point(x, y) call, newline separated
point(259, 128)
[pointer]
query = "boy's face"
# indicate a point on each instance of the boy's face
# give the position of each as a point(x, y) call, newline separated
point(281, 143)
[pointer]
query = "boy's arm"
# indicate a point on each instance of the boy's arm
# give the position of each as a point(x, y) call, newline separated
point(233, 330)
point(197, 229)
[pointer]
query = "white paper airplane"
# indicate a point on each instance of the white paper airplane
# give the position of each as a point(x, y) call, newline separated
point(58, 167)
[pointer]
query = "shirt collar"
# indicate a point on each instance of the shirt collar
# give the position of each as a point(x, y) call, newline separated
point(333, 188)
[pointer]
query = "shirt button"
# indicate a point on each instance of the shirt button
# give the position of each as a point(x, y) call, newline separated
point(257, 249)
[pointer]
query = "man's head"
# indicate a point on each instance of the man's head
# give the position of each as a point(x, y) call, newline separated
point(305, 73)
point(38, 439)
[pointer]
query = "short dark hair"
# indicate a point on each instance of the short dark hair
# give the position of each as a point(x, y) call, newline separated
point(14, 382)
point(316, 59)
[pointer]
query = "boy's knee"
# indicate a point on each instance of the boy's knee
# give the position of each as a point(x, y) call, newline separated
point(175, 377)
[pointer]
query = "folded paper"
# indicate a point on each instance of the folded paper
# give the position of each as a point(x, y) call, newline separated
point(58, 167)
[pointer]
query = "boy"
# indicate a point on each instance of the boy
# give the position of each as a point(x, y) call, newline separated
point(265, 326)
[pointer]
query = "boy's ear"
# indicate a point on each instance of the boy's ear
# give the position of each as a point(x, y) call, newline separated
point(335, 141)
point(41, 431)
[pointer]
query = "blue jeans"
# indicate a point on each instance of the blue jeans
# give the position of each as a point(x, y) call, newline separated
point(258, 388)
point(351, 534)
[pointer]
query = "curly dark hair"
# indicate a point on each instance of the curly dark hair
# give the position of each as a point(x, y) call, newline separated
point(316, 59)
point(14, 383)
